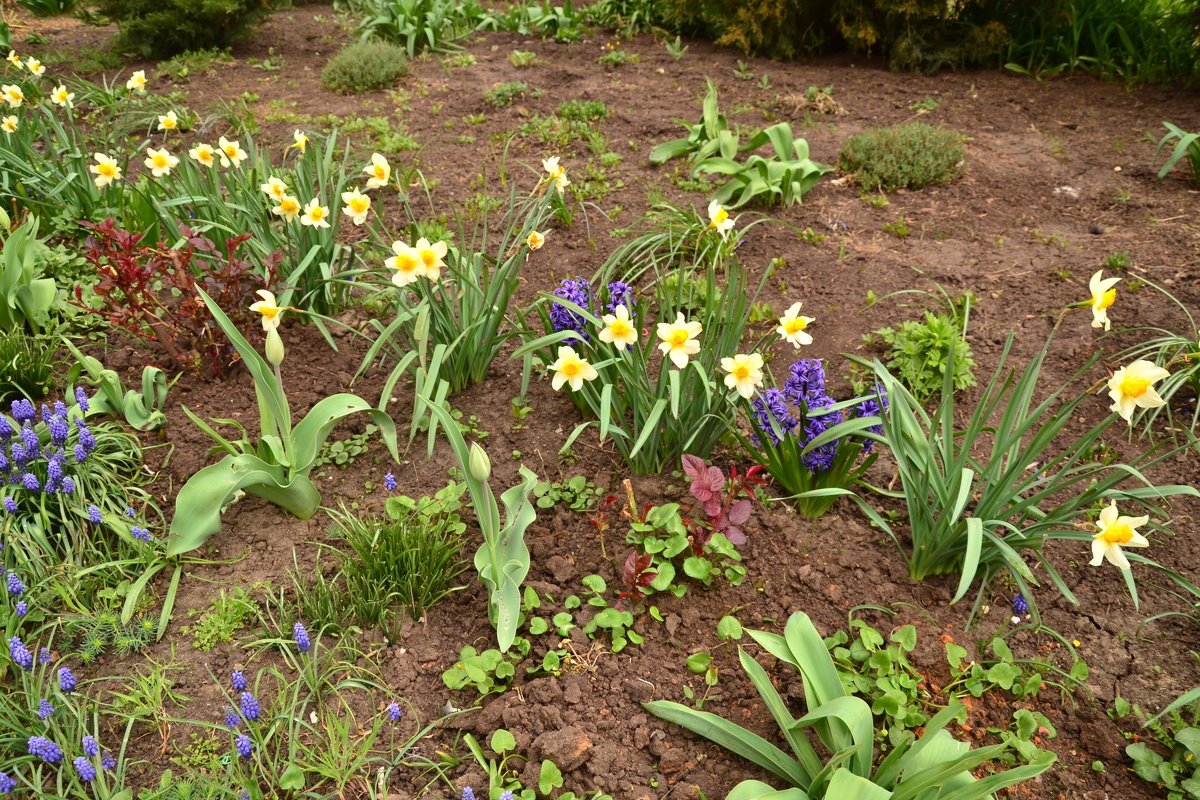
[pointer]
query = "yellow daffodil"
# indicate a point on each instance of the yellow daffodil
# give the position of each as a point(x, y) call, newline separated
point(105, 169)
point(1130, 388)
point(14, 59)
point(35, 66)
point(137, 82)
point(744, 373)
point(378, 172)
point(168, 121)
point(1103, 295)
point(231, 153)
point(61, 97)
point(679, 340)
point(719, 218)
point(571, 370)
point(288, 208)
point(270, 310)
point(274, 187)
point(407, 264)
point(203, 154)
point(432, 256)
point(9, 124)
point(535, 240)
point(357, 206)
point(1116, 532)
point(792, 327)
point(12, 95)
point(160, 162)
point(618, 330)
point(315, 214)
point(299, 140)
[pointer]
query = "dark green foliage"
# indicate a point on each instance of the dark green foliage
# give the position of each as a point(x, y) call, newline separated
point(162, 28)
point(919, 352)
point(364, 66)
point(503, 94)
point(583, 110)
point(774, 28)
point(907, 156)
point(26, 366)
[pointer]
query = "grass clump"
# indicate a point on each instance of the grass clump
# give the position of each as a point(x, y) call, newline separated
point(26, 366)
point(583, 110)
point(907, 156)
point(364, 66)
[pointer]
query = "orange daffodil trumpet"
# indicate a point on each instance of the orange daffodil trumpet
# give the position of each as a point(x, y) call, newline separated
point(1116, 532)
point(105, 169)
point(357, 206)
point(315, 214)
point(1130, 388)
point(378, 172)
point(203, 154)
point(12, 95)
point(61, 97)
point(1103, 295)
point(679, 340)
point(719, 219)
point(793, 327)
point(571, 369)
point(232, 153)
point(744, 373)
point(168, 121)
point(160, 162)
point(137, 82)
point(535, 240)
point(618, 329)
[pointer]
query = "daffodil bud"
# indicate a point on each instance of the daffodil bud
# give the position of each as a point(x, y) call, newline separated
point(274, 348)
point(480, 465)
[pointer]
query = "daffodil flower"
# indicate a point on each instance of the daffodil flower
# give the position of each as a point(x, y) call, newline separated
point(792, 327)
point(1103, 295)
point(406, 263)
point(35, 66)
point(14, 59)
point(231, 153)
point(12, 95)
point(679, 340)
point(618, 330)
point(168, 121)
point(160, 162)
point(535, 240)
point(299, 140)
point(432, 256)
point(105, 169)
point(557, 173)
point(1116, 531)
point(315, 214)
point(274, 187)
point(288, 208)
point(203, 154)
point(744, 373)
point(137, 82)
point(61, 97)
point(9, 124)
point(1130, 388)
point(378, 172)
point(357, 206)
point(270, 310)
point(719, 218)
point(571, 370)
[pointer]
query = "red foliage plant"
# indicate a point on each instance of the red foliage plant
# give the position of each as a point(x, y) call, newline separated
point(726, 504)
point(149, 291)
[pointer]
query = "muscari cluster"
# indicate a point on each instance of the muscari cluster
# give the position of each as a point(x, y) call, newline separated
point(579, 292)
point(795, 412)
point(38, 466)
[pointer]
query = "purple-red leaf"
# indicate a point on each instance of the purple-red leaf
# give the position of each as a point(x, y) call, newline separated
point(740, 512)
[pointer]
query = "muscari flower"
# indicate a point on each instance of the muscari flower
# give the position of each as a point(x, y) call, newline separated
point(468, 793)
point(90, 748)
point(251, 709)
point(44, 749)
point(10, 505)
point(389, 482)
point(66, 680)
point(303, 642)
point(30, 482)
point(85, 768)
point(618, 330)
point(1103, 295)
point(129, 512)
point(244, 747)
point(15, 586)
point(719, 219)
point(22, 608)
point(533, 241)
point(1115, 532)
point(44, 710)
point(1130, 388)
point(59, 430)
point(23, 411)
point(357, 206)
point(393, 712)
point(141, 534)
point(95, 516)
point(1019, 607)
point(107, 761)
point(237, 679)
point(571, 370)
point(679, 340)
point(7, 784)
point(44, 655)
point(168, 121)
point(378, 172)
point(232, 720)
point(743, 373)
point(105, 169)
point(792, 327)
point(81, 399)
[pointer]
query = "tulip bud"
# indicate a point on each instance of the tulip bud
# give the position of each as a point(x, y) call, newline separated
point(274, 348)
point(480, 465)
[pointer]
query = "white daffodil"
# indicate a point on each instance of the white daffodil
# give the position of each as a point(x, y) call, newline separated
point(744, 373)
point(618, 330)
point(315, 214)
point(232, 153)
point(571, 369)
point(535, 240)
point(9, 124)
point(406, 263)
point(105, 169)
point(378, 172)
point(12, 95)
point(1103, 295)
point(432, 256)
point(203, 154)
point(168, 121)
point(357, 206)
point(289, 208)
point(1116, 532)
point(274, 187)
point(61, 97)
point(719, 218)
point(679, 340)
point(793, 327)
point(299, 140)
point(271, 311)
point(35, 67)
point(137, 82)
point(1130, 388)
point(160, 162)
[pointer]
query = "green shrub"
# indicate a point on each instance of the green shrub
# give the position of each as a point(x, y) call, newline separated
point(583, 110)
point(163, 28)
point(911, 155)
point(503, 94)
point(26, 366)
point(364, 66)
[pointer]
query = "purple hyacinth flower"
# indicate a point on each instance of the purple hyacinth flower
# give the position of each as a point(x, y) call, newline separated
point(244, 747)
point(85, 768)
point(45, 710)
point(621, 294)
point(66, 680)
point(303, 643)
point(579, 292)
point(237, 679)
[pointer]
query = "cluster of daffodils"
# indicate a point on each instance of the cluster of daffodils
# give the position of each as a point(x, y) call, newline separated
point(356, 204)
point(14, 96)
point(424, 259)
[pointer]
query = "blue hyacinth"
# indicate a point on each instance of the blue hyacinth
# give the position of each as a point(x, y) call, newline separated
point(621, 294)
point(66, 680)
point(770, 410)
point(389, 482)
point(45, 749)
point(15, 587)
point(85, 768)
point(7, 784)
point(237, 679)
point(90, 748)
point(1019, 606)
point(45, 710)
point(244, 747)
point(579, 292)
point(95, 516)
point(303, 643)
point(20, 653)
point(251, 709)
point(393, 712)
point(232, 720)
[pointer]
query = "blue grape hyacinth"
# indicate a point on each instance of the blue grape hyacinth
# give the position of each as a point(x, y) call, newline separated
point(393, 712)
point(237, 679)
point(44, 749)
point(7, 783)
point(303, 643)
point(85, 768)
point(251, 709)
point(20, 653)
point(45, 710)
point(244, 747)
point(66, 680)
point(90, 748)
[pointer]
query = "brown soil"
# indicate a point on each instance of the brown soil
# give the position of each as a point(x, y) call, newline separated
point(1059, 175)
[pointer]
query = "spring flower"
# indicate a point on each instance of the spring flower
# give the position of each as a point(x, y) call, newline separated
point(251, 709)
point(378, 172)
point(274, 187)
point(535, 240)
point(237, 679)
point(1019, 607)
point(7, 784)
point(468, 793)
point(432, 256)
point(773, 418)
point(744, 373)
point(203, 154)
point(66, 680)
point(872, 406)
point(357, 206)
point(168, 121)
point(45, 710)
point(679, 340)
point(232, 720)
point(107, 761)
point(571, 370)
point(562, 318)
point(389, 482)
point(141, 534)
point(288, 208)
point(557, 172)
point(94, 515)
point(85, 768)
point(393, 712)
point(315, 214)
point(1116, 531)
point(508, 795)
point(1103, 295)
point(303, 642)
point(792, 327)
point(22, 608)
point(244, 747)
point(160, 162)
point(299, 140)
point(14, 59)
point(407, 263)
point(231, 153)
point(618, 330)
point(129, 512)
point(35, 67)
point(719, 218)
point(44, 749)
point(270, 311)
point(1130, 388)
point(9, 124)
point(12, 95)
point(137, 82)
point(10, 505)
point(90, 748)
point(61, 97)
point(15, 586)
point(20, 654)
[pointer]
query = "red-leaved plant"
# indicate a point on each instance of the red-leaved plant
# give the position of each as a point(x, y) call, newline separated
point(726, 503)
point(636, 576)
